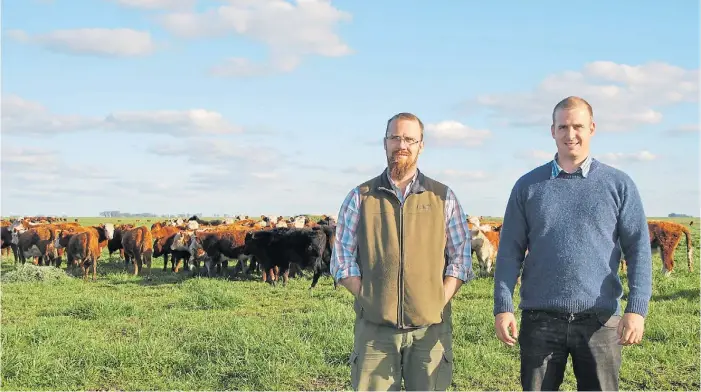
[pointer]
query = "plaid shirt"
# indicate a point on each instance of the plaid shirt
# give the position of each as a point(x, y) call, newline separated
point(583, 168)
point(345, 250)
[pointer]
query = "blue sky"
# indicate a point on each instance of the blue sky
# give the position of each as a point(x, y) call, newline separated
point(274, 107)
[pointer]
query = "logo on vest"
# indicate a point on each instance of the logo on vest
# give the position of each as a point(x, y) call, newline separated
point(423, 207)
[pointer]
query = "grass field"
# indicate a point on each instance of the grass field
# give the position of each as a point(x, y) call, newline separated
point(176, 332)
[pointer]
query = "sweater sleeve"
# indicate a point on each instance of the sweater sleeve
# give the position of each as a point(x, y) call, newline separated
point(513, 242)
point(634, 238)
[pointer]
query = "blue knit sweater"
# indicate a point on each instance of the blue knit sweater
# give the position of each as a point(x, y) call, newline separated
point(574, 228)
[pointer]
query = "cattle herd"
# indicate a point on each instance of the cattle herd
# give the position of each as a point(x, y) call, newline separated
point(272, 245)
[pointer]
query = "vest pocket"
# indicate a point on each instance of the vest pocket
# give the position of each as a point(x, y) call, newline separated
point(444, 371)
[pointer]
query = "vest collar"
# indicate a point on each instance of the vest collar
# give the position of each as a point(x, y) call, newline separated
point(417, 187)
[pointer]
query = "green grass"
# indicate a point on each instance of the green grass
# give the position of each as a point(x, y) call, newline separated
point(177, 332)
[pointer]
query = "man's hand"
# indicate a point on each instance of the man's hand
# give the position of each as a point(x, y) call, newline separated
point(450, 287)
point(630, 329)
point(502, 323)
point(352, 283)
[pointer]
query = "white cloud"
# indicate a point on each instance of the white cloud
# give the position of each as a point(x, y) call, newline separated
point(290, 31)
point(621, 157)
point(120, 42)
point(157, 4)
point(173, 122)
point(16, 156)
point(622, 96)
point(24, 117)
point(685, 129)
point(455, 134)
point(221, 154)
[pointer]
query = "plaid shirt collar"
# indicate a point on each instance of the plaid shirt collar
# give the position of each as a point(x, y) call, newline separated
point(583, 168)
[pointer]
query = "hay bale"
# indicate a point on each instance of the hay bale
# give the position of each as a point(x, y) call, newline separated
point(35, 273)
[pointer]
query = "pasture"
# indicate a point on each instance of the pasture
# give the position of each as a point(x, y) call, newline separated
point(180, 332)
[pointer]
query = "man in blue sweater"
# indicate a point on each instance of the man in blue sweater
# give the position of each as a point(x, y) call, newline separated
point(565, 225)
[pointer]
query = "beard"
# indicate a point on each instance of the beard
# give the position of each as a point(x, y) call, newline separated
point(400, 164)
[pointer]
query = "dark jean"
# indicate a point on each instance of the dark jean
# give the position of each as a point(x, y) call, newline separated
point(546, 339)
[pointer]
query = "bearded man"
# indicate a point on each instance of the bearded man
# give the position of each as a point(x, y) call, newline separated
point(402, 249)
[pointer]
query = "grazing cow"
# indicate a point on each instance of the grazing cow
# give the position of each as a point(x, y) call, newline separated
point(138, 245)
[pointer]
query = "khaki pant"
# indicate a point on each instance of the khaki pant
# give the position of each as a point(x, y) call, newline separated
point(383, 356)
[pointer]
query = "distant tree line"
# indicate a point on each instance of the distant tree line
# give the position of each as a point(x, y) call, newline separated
point(675, 215)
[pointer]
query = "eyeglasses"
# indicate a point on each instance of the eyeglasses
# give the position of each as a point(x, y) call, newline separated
point(398, 139)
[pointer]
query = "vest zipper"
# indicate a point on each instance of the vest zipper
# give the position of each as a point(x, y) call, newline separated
point(400, 285)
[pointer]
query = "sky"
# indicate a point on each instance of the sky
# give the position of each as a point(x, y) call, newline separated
point(279, 108)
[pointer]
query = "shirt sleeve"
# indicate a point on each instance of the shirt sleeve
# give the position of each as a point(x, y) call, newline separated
point(345, 248)
point(458, 247)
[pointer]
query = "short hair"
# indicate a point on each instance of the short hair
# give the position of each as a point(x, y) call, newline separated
point(405, 116)
point(573, 102)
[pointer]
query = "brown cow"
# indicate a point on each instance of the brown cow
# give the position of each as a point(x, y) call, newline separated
point(664, 237)
point(138, 245)
point(81, 249)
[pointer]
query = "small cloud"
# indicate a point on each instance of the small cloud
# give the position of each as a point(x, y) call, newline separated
point(173, 122)
point(120, 42)
point(455, 134)
point(620, 157)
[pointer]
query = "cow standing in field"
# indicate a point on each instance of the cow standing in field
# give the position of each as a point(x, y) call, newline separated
point(276, 249)
point(7, 243)
point(37, 243)
point(665, 237)
point(163, 237)
point(138, 246)
point(81, 248)
point(115, 244)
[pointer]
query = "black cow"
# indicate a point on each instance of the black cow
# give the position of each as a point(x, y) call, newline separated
point(7, 242)
point(275, 249)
